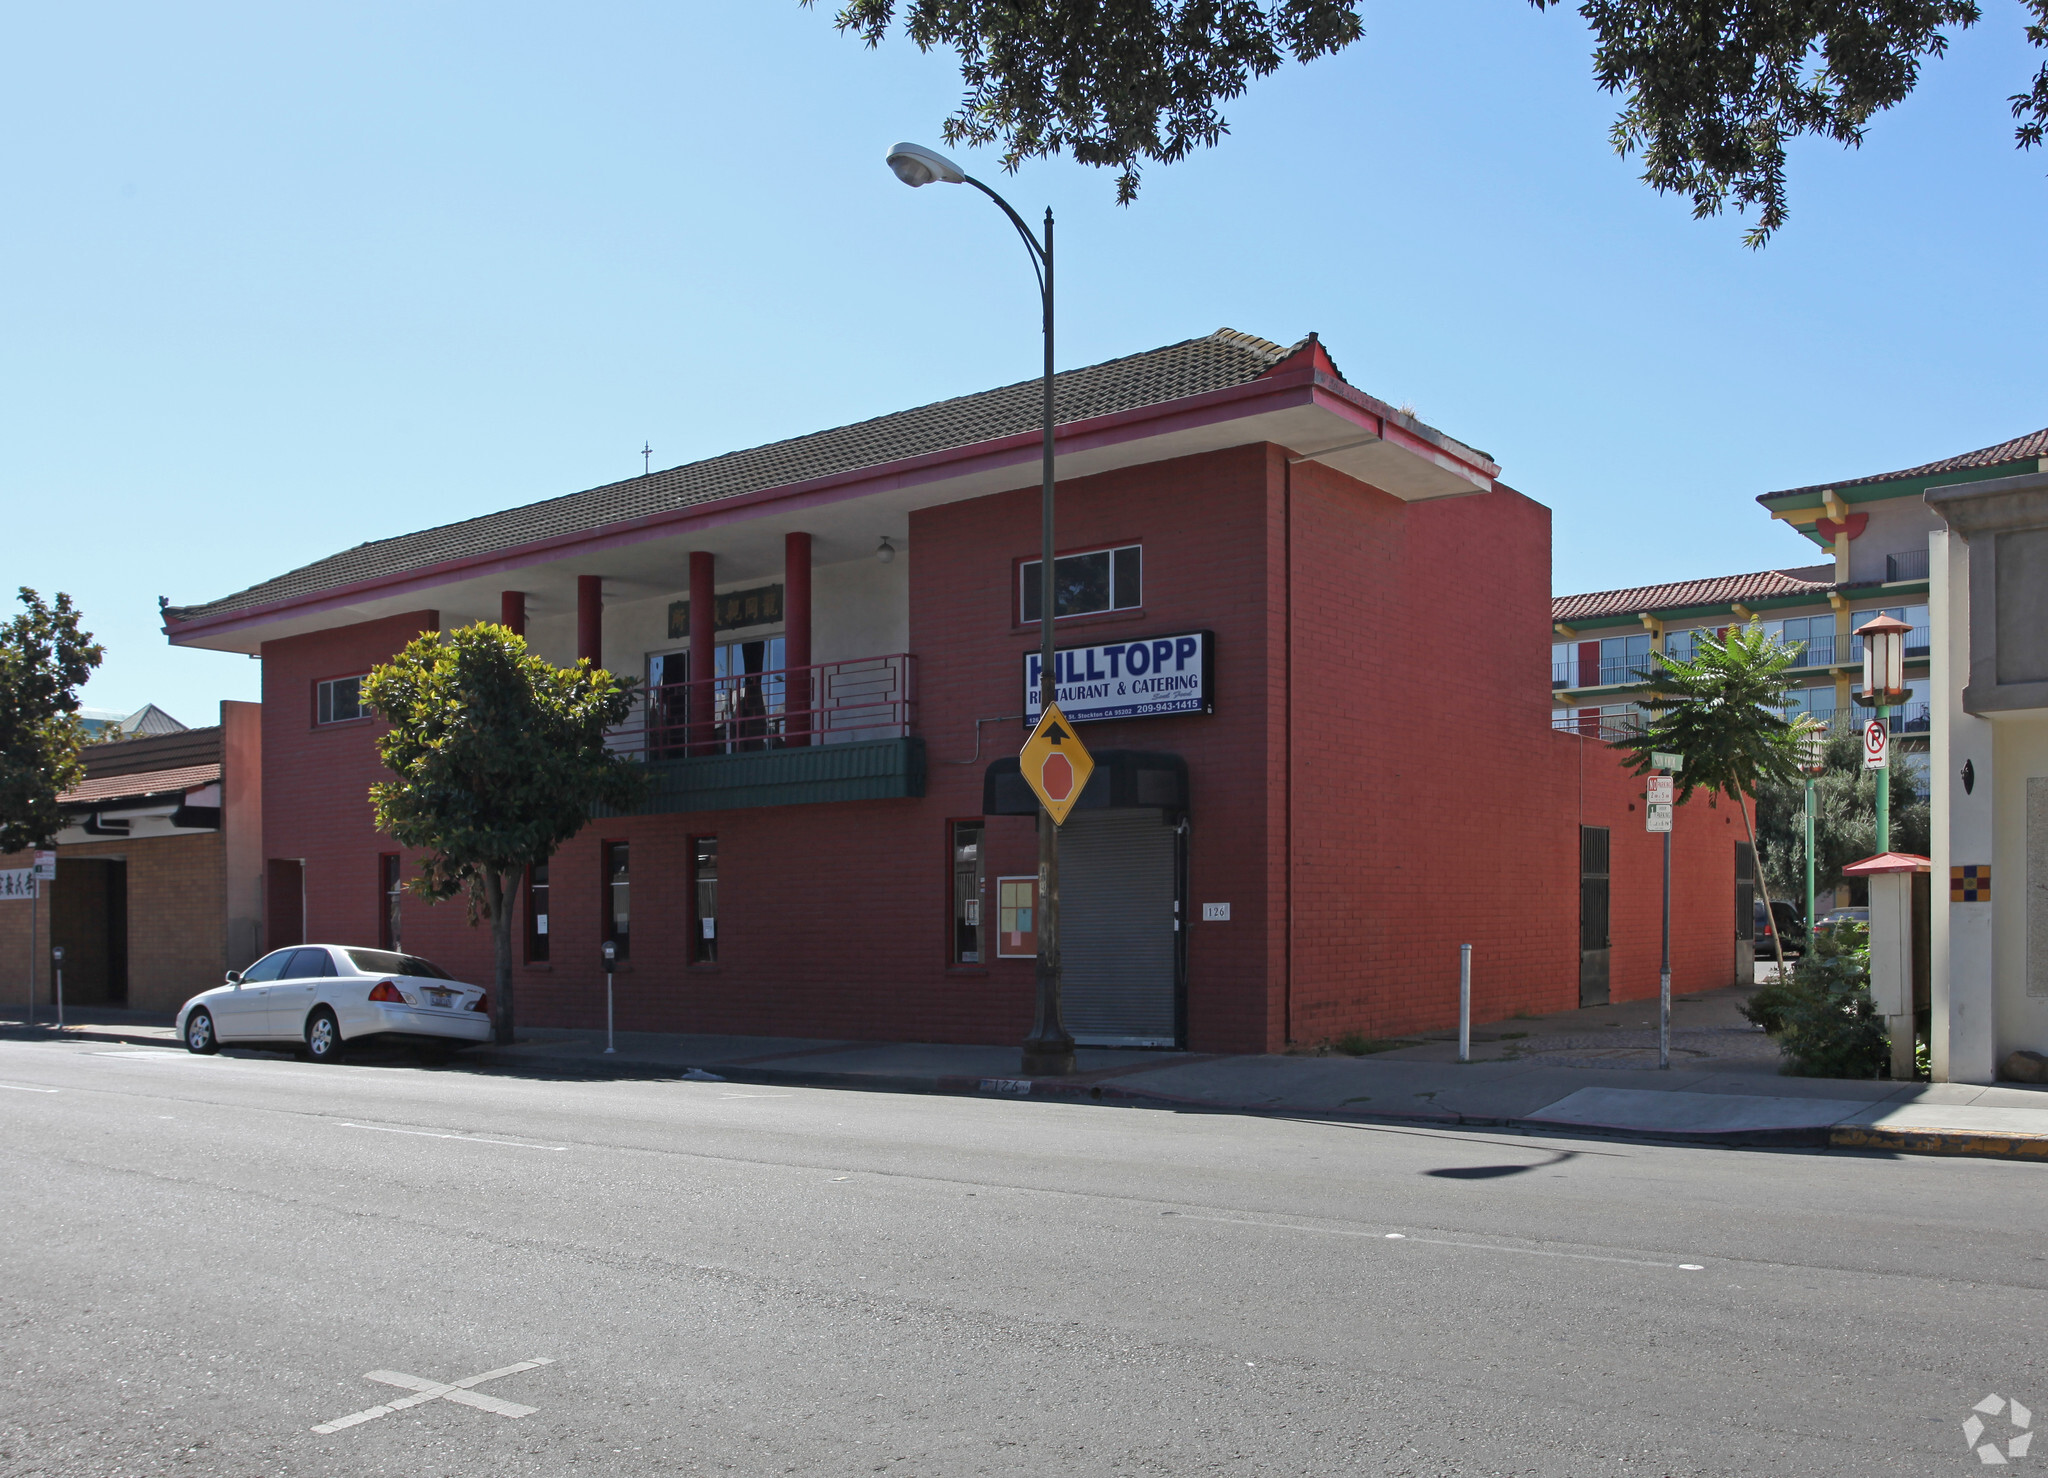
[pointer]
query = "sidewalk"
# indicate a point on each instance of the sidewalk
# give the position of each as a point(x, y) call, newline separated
point(1588, 1071)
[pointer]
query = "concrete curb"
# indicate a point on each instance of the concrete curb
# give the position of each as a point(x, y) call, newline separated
point(1935, 1142)
point(1941, 1142)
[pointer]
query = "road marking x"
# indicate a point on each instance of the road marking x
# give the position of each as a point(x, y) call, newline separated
point(460, 1392)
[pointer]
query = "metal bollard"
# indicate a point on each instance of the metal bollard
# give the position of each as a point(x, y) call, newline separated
point(1464, 1003)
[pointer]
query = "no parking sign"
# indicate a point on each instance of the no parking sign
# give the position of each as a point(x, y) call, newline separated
point(1877, 745)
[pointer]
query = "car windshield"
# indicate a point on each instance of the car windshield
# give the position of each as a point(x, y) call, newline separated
point(390, 962)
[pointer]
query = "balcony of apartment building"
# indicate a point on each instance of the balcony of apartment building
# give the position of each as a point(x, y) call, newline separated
point(756, 734)
point(763, 675)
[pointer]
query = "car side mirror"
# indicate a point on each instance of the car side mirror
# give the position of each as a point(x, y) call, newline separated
point(235, 978)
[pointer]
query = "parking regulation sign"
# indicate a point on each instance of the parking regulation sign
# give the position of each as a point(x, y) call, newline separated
point(1657, 804)
point(1877, 745)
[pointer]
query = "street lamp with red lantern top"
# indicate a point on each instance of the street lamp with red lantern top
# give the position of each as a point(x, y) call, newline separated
point(1884, 683)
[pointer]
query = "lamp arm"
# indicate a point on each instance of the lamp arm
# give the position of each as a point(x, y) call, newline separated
point(1030, 241)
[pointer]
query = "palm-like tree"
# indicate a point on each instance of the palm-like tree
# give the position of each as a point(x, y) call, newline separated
point(1724, 710)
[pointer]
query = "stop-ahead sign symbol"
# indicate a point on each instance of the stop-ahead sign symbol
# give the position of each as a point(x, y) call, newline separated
point(1057, 776)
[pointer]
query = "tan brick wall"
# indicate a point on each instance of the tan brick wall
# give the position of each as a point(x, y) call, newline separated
point(177, 907)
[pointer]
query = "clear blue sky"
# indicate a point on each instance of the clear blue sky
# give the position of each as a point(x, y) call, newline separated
point(280, 279)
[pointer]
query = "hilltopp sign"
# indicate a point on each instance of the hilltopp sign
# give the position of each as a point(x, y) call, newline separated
point(1129, 679)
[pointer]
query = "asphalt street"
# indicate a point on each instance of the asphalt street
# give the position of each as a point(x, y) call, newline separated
point(204, 1258)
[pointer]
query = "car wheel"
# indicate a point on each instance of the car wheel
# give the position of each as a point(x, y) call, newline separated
point(323, 1036)
point(199, 1035)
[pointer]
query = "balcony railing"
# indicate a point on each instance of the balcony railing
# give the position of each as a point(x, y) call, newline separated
point(787, 708)
point(1912, 565)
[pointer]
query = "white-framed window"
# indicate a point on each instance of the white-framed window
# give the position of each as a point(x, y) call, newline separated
point(337, 700)
point(1085, 584)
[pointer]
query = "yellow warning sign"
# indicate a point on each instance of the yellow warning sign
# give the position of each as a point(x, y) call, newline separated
point(1056, 763)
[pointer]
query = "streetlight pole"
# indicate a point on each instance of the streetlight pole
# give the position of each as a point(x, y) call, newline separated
point(1884, 682)
point(1049, 1050)
point(1815, 763)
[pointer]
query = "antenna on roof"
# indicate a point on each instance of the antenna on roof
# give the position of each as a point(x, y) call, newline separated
point(646, 457)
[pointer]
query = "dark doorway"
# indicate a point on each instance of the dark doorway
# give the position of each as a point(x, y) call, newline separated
point(89, 917)
point(284, 902)
point(1745, 914)
point(1594, 942)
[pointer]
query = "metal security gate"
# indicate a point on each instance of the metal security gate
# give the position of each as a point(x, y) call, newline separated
point(1595, 939)
point(1119, 896)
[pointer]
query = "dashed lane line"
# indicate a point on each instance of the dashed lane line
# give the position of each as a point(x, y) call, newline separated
point(1279, 1226)
point(465, 1138)
point(23, 1088)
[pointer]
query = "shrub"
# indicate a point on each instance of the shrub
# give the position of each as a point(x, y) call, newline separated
point(1823, 1019)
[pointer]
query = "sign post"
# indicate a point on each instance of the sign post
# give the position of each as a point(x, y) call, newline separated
point(1877, 755)
point(611, 958)
point(1658, 807)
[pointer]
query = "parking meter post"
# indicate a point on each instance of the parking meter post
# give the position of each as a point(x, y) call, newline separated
point(57, 964)
point(35, 904)
point(611, 955)
point(1464, 1003)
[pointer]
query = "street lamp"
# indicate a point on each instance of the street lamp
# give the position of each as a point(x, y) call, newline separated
point(1884, 683)
point(1049, 1050)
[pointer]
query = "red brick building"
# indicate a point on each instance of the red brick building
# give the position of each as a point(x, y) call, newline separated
point(1288, 846)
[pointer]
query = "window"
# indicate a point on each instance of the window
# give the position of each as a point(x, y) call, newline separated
point(385, 962)
point(1815, 703)
point(617, 913)
point(537, 913)
point(390, 890)
point(270, 967)
point(967, 892)
point(1813, 637)
point(1564, 664)
point(1624, 659)
point(309, 962)
point(340, 699)
point(1016, 917)
point(1083, 584)
point(704, 879)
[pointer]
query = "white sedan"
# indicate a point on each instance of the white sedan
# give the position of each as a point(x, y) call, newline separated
point(322, 995)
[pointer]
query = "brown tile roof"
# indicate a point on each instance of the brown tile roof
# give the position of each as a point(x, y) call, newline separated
point(1218, 361)
point(1763, 585)
point(148, 782)
point(2032, 446)
point(154, 752)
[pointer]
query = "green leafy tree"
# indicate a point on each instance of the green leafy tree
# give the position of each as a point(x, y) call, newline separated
point(1724, 711)
point(499, 756)
point(1711, 92)
point(1822, 1017)
point(44, 658)
point(1845, 818)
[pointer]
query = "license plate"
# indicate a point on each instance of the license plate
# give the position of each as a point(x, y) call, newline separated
point(441, 997)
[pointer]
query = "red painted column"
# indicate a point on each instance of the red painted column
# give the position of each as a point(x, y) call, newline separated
point(512, 611)
point(703, 636)
point(590, 618)
point(796, 636)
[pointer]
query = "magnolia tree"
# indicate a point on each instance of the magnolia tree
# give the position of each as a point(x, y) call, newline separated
point(44, 657)
point(498, 756)
point(1724, 712)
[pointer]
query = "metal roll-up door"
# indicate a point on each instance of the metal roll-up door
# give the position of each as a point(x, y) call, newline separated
point(1117, 940)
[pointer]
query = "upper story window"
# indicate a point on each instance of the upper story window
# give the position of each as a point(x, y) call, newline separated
point(1084, 584)
point(1812, 637)
point(1918, 640)
point(340, 699)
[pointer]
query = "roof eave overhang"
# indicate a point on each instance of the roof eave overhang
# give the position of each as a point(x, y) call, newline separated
point(1312, 414)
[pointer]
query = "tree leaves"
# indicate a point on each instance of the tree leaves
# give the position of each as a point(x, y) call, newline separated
point(1113, 82)
point(1724, 710)
point(1712, 90)
point(44, 658)
point(498, 754)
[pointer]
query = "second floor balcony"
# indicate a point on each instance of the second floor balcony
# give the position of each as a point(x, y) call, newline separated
point(831, 731)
